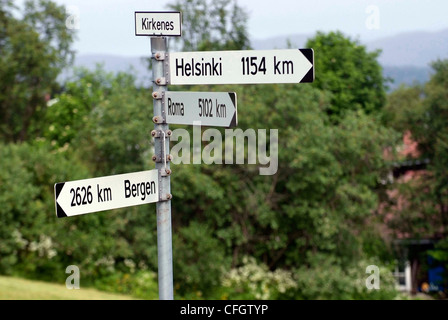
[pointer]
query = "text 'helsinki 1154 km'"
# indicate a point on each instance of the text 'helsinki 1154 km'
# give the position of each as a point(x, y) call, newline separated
point(224, 67)
point(241, 67)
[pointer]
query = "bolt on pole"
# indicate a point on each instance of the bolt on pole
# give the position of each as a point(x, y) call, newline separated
point(161, 148)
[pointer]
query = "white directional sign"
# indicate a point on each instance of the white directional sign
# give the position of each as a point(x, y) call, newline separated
point(98, 194)
point(156, 24)
point(239, 67)
point(210, 108)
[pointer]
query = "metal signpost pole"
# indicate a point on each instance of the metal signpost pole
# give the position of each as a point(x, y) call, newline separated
point(161, 135)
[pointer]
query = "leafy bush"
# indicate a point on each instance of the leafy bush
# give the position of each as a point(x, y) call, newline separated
point(141, 284)
point(199, 259)
point(326, 279)
point(30, 235)
point(255, 281)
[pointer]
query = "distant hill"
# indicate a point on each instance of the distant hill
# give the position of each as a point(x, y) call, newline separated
point(416, 49)
point(406, 75)
point(405, 57)
point(412, 48)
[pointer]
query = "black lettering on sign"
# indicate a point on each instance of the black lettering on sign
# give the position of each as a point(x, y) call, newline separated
point(283, 67)
point(141, 189)
point(202, 68)
point(251, 66)
point(220, 110)
point(205, 108)
point(157, 25)
point(81, 196)
point(175, 108)
point(104, 194)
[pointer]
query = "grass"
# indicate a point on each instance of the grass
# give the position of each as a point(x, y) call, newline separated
point(12, 288)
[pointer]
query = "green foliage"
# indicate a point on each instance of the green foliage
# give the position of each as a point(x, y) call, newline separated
point(353, 75)
point(69, 111)
point(198, 259)
point(322, 279)
point(403, 107)
point(142, 284)
point(84, 122)
point(99, 115)
point(433, 135)
point(433, 138)
point(33, 49)
point(423, 111)
point(322, 197)
point(34, 243)
point(29, 231)
point(326, 279)
point(325, 187)
point(256, 281)
point(116, 136)
point(420, 205)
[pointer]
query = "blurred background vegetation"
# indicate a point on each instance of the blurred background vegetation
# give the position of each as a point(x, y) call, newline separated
point(307, 232)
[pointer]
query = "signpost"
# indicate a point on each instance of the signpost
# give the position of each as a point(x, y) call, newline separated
point(210, 108)
point(106, 193)
point(241, 67)
point(161, 135)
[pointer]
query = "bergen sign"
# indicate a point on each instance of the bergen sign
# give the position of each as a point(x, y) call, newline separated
point(105, 193)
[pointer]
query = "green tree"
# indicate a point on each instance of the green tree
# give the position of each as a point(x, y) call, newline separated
point(200, 260)
point(30, 233)
point(68, 113)
point(433, 137)
point(420, 205)
point(36, 244)
point(325, 189)
point(105, 120)
point(403, 107)
point(322, 199)
point(34, 48)
point(423, 112)
point(353, 75)
point(115, 137)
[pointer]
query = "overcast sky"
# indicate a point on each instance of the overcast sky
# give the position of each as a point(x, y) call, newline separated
point(107, 26)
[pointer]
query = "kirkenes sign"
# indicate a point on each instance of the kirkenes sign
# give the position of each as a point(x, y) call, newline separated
point(154, 23)
point(106, 193)
point(241, 67)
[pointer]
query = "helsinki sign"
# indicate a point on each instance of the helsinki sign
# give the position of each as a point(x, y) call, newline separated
point(98, 194)
point(241, 67)
point(210, 108)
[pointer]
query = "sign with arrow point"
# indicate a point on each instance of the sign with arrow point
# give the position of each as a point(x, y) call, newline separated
point(241, 67)
point(105, 193)
point(210, 108)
